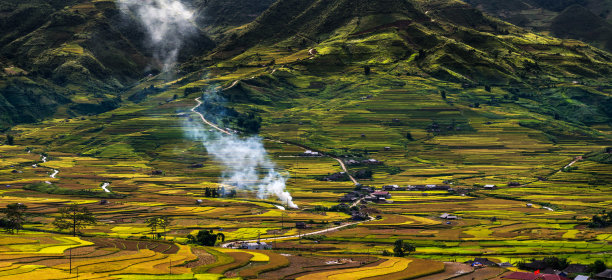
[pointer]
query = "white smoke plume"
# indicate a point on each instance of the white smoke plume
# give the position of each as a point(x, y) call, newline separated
point(167, 22)
point(246, 163)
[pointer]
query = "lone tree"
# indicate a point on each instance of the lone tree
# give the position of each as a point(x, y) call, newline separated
point(206, 238)
point(409, 136)
point(74, 217)
point(402, 248)
point(10, 140)
point(14, 217)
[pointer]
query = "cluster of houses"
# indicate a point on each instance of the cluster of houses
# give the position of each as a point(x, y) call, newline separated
point(366, 193)
point(556, 275)
point(371, 161)
point(417, 188)
point(543, 272)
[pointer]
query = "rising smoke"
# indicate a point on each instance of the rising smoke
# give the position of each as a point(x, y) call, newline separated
point(167, 22)
point(245, 160)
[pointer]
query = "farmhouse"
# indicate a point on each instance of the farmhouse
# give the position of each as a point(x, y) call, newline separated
point(301, 225)
point(381, 194)
point(255, 246)
point(482, 261)
point(490, 187)
point(447, 216)
point(607, 274)
point(309, 153)
point(531, 276)
point(348, 198)
point(576, 269)
point(390, 188)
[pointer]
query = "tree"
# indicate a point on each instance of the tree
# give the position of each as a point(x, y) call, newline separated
point(10, 140)
point(206, 238)
point(207, 192)
point(402, 248)
point(409, 136)
point(74, 217)
point(367, 70)
point(15, 217)
point(152, 223)
point(597, 267)
point(443, 94)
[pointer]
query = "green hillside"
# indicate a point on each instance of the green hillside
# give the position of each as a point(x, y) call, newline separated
point(71, 58)
point(586, 20)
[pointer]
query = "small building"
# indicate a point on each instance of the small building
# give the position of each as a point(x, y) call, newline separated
point(576, 269)
point(381, 194)
point(255, 246)
point(482, 262)
point(490, 187)
point(532, 276)
point(387, 149)
point(529, 205)
point(582, 277)
point(301, 225)
point(447, 216)
point(607, 274)
point(309, 153)
point(390, 188)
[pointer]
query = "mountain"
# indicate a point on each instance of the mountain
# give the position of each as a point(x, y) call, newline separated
point(587, 20)
point(448, 40)
point(80, 54)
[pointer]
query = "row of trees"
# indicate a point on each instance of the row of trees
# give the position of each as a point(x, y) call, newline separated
point(72, 218)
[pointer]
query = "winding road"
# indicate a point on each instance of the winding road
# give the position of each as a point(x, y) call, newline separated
point(225, 245)
point(194, 109)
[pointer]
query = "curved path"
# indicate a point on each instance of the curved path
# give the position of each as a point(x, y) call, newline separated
point(225, 245)
point(194, 109)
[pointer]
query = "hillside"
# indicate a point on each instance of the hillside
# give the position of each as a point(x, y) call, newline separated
point(586, 20)
point(217, 17)
point(77, 57)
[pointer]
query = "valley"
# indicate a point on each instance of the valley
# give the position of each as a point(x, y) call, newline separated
point(426, 122)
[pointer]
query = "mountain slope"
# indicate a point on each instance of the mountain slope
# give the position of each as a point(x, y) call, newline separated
point(83, 53)
point(444, 39)
point(588, 20)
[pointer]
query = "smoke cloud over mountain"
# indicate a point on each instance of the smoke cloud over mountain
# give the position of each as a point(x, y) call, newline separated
point(167, 22)
point(246, 163)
